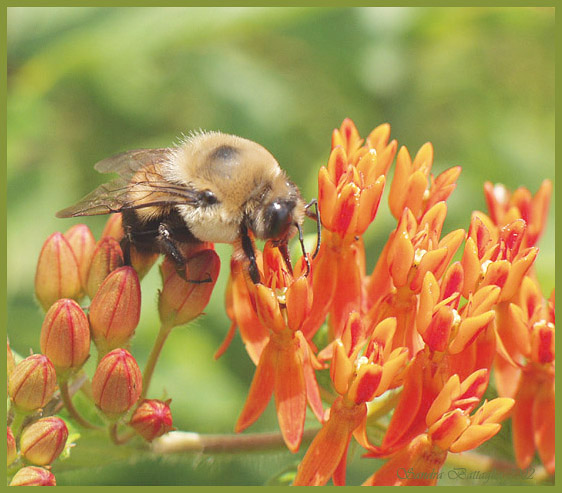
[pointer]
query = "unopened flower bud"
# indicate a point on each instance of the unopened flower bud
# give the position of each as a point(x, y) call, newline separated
point(152, 419)
point(114, 227)
point(83, 244)
point(115, 309)
point(142, 262)
point(106, 257)
point(32, 383)
point(33, 476)
point(65, 336)
point(43, 441)
point(57, 274)
point(181, 301)
point(117, 382)
point(12, 451)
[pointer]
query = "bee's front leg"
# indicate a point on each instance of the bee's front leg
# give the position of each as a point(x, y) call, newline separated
point(248, 249)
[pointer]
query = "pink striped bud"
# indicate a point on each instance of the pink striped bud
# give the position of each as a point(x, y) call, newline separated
point(65, 337)
point(57, 274)
point(106, 258)
point(115, 309)
point(33, 476)
point(117, 383)
point(181, 301)
point(32, 383)
point(152, 419)
point(83, 244)
point(43, 441)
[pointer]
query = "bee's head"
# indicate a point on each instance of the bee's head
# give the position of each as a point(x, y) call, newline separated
point(278, 213)
point(278, 217)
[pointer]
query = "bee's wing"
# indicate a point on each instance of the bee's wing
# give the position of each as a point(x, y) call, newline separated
point(147, 190)
point(127, 163)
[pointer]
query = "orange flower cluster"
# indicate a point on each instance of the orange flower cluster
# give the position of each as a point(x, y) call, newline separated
point(419, 322)
point(408, 347)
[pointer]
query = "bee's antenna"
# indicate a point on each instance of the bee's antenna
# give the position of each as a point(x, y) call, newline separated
point(316, 217)
point(301, 240)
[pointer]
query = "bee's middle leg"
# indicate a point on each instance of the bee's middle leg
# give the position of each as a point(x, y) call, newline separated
point(170, 246)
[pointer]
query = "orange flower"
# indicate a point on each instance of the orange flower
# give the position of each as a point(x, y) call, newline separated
point(285, 366)
point(411, 189)
point(412, 250)
point(358, 379)
point(449, 428)
point(495, 257)
point(505, 207)
point(526, 371)
point(349, 192)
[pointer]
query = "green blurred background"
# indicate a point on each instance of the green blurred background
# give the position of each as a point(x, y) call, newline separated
point(86, 83)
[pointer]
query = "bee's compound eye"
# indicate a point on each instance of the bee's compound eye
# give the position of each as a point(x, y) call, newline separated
point(278, 217)
point(208, 197)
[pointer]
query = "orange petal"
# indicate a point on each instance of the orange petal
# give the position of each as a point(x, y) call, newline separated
point(347, 210)
point(522, 425)
point(261, 388)
point(401, 257)
point(434, 261)
point(267, 307)
point(337, 164)
point(544, 425)
point(471, 267)
point(365, 383)
point(474, 436)
point(429, 296)
point(399, 182)
point(290, 395)
point(469, 329)
point(326, 198)
point(385, 157)
point(448, 428)
point(415, 189)
point(341, 368)
point(518, 269)
point(299, 301)
point(437, 333)
point(326, 450)
point(312, 390)
point(369, 204)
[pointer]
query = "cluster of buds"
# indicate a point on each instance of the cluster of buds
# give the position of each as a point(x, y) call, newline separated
point(71, 268)
point(419, 322)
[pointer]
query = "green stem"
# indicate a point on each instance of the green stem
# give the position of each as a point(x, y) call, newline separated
point(163, 334)
point(185, 442)
point(67, 400)
point(116, 438)
point(17, 421)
